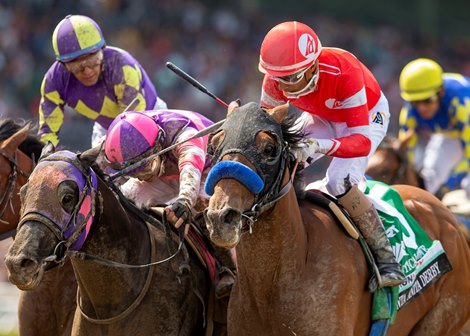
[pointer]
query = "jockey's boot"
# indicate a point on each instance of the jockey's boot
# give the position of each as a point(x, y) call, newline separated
point(226, 270)
point(365, 216)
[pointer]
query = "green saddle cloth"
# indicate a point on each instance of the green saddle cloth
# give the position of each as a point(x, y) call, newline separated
point(423, 261)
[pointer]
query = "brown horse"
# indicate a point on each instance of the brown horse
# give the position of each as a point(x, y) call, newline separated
point(298, 272)
point(389, 165)
point(49, 309)
point(122, 288)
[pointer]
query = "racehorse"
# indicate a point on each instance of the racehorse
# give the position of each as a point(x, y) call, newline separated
point(49, 309)
point(299, 273)
point(68, 208)
point(389, 165)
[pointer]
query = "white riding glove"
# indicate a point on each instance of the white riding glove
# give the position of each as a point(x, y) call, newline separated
point(305, 149)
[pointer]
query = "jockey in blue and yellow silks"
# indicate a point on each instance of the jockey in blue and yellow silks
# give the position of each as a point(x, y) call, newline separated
point(96, 80)
point(436, 114)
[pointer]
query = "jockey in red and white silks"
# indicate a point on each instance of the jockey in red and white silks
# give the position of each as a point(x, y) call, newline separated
point(346, 113)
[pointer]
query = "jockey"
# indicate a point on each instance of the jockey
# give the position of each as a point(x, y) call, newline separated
point(173, 179)
point(95, 80)
point(436, 114)
point(345, 116)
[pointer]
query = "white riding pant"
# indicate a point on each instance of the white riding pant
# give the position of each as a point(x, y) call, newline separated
point(99, 132)
point(436, 159)
point(355, 168)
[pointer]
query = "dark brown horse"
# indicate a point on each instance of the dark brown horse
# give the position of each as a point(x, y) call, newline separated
point(49, 309)
point(68, 208)
point(298, 272)
point(389, 164)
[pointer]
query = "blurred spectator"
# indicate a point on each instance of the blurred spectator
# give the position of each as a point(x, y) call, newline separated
point(216, 43)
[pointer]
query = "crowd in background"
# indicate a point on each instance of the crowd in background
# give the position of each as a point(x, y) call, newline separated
point(217, 44)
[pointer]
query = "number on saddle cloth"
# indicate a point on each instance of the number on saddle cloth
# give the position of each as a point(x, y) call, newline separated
point(423, 261)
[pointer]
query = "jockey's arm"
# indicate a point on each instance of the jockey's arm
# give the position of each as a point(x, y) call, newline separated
point(462, 118)
point(356, 144)
point(407, 126)
point(51, 114)
point(191, 161)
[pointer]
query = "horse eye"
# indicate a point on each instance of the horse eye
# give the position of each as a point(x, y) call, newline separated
point(269, 150)
point(215, 139)
point(67, 193)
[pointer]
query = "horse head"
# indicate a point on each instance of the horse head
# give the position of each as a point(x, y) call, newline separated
point(251, 154)
point(389, 164)
point(61, 195)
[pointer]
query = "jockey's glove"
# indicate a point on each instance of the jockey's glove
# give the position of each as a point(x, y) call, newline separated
point(179, 213)
point(305, 149)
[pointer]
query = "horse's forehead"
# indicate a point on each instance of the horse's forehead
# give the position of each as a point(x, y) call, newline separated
point(49, 174)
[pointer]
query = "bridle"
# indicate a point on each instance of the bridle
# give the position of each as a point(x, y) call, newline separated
point(65, 243)
point(271, 171)
point(7, 199)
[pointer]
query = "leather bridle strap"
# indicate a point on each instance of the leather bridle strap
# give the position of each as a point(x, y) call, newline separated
point(6, 199)
point(138, 299)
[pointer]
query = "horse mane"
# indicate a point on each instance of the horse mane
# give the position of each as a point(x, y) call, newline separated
point(32, 146)
point(293, 136)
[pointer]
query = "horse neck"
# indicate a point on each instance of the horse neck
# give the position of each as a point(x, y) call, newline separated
point(277, 245)
point(117, 236)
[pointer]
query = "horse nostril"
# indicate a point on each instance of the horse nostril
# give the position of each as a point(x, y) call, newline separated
point(231, 216)
point(18, 263)
point(26, 263)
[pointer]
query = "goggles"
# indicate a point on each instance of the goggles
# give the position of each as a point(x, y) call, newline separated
point(88, 62)
point(312, 83)
point(292, 79)
point(427, 101)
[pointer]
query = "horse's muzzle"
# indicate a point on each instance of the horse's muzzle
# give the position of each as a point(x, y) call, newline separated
point(23, 271)
point(224, 226)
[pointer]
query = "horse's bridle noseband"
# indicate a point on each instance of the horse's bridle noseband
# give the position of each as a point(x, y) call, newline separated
point(239, 138)
point(7, 199)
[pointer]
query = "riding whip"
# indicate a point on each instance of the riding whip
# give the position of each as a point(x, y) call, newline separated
point(194, 82)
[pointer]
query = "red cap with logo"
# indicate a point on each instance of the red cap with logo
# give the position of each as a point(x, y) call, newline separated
point(288, 48)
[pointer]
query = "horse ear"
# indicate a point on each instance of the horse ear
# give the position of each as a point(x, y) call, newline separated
point(88, 157)
point(47, 150)
point(232, 106)
point(13, 142)
point(279, 113)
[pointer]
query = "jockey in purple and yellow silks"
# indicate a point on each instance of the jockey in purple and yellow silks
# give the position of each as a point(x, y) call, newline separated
point(436, 115)
point(96, 80)
point(173, 179)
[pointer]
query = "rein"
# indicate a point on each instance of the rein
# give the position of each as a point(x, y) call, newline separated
point(145, 218)
point(142, 293)
point(270, 198)
point(7, 199)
